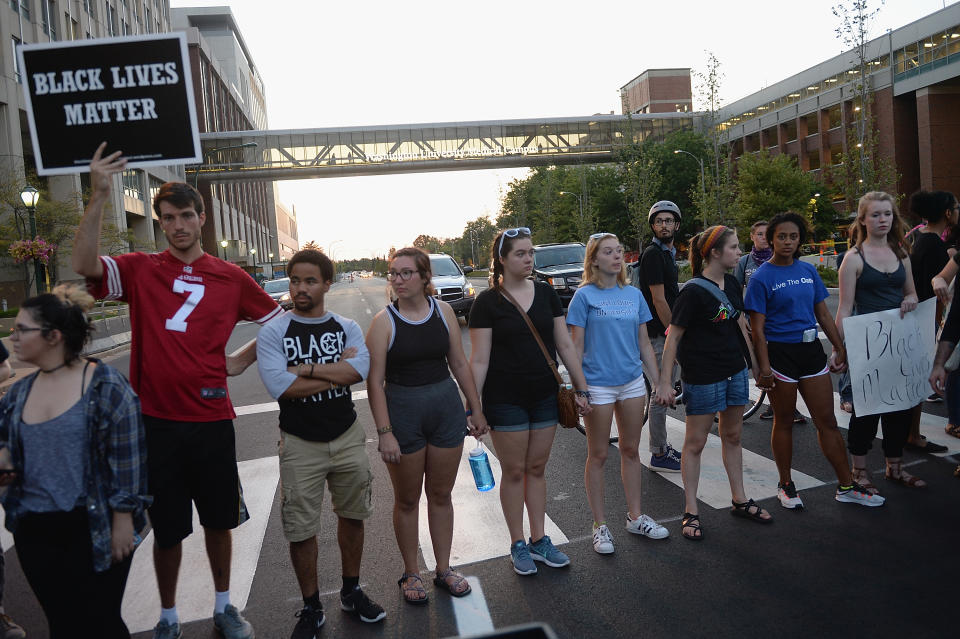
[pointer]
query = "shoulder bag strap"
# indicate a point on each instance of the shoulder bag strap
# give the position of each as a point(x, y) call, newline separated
point(536, 335)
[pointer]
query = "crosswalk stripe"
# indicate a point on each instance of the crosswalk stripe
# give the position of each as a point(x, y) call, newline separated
point(479, 529)
point(195, 596)
point(269, 407)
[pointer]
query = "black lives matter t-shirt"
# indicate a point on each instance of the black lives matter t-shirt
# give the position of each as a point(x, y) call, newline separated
point(518, 372)
point(710, 349)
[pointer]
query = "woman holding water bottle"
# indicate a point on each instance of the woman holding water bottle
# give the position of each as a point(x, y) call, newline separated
point(519, 388)
point(414, 344)
point(74, 466)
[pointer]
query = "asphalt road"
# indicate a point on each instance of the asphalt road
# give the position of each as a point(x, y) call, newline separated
point(833, 570)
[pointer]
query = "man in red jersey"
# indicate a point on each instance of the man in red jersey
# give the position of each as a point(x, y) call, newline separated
point(184, 304)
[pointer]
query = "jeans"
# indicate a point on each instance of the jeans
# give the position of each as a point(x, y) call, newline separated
point(658, 414)
point(953, 397)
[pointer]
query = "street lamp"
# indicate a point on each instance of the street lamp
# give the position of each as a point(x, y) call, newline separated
point(29, 196)
point(579, 200)
point(703, 184)
point(223, 245)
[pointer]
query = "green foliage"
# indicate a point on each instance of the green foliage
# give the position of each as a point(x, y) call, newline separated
point(830, 276)
point(767, 185)
point(684, 272)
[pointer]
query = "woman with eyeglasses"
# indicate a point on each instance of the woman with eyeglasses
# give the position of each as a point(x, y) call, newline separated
point(74, 460)
point(519, 389)
point(876, 276)
point(608, 322)
point(707, 328)
point(787, 299)
point(414, 345)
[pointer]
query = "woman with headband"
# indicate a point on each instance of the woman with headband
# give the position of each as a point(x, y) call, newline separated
point(708, 334)
point(75, 457)
point(608, 321)
point(519, 389)
point(786, 300)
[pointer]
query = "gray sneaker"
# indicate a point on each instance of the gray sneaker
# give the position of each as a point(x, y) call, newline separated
point(10, 630)
point(544, 551)
point(232, 625)
point(520, 556)
point(167, 630)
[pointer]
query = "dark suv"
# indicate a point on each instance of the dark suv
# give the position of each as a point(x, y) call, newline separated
point(560, 266)
point(451, 283)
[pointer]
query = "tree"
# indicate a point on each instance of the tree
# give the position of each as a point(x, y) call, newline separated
point(641, 180)
point(718, 196)
point(767, 185)
point(862, 169)
point(311, 246)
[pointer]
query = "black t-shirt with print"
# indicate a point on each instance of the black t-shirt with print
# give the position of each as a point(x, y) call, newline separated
point(710, 350)
point(518, 372)
point(657, 266)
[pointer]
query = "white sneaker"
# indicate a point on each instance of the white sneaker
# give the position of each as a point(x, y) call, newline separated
point(857, 494)
point(646, 526)
point(602, 541)
point(787, 494)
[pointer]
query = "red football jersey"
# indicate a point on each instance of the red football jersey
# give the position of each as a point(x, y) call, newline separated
point(181, 316)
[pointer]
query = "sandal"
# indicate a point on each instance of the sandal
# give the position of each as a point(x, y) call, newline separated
point(460, 586)
point(750, 510)
point(692, 522)
point(902, 476)
point(411, 586)
point(953, 430)
point(862, 477)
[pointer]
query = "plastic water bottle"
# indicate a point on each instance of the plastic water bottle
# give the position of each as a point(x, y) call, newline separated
point(480, 466)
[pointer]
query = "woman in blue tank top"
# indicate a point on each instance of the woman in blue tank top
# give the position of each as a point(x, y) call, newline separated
point(419, 414)
point(876, 276)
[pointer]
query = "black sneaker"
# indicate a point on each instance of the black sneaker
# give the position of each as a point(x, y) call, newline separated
point(935, 399)
point(358, 602)
point(767, 414)
point(309, 623)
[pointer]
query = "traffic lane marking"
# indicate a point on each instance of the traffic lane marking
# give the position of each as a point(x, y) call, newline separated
point(471, 612)
point(195, 592)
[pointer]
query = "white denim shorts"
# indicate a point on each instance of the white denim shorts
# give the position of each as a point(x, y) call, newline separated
point(609, 394)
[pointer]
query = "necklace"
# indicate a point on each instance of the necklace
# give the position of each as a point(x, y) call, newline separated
point(55, 368)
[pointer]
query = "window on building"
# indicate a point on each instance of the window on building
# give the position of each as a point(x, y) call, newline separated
point(74, 27)
point(148, 20)
point(48, 14)
point(790, 129)
point(155, 184)
point(813, 159)
point(111, 20)
point(131, 184)
point(769, 137)
point(836, 119)
point(836, 154)
point(813, 123)
point(954, 40)
point(14, 41)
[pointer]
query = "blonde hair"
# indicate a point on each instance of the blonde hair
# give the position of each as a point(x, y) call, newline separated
point(590, 275)
point(897, 238)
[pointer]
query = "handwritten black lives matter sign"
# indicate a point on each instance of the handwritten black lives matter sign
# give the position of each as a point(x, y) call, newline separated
point(134, 92)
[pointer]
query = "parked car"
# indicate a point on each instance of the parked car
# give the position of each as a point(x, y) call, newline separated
point(560, 266)
point(451, 283)
point(279, 290)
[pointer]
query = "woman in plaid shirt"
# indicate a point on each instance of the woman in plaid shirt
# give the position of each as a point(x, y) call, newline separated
point(73, 459)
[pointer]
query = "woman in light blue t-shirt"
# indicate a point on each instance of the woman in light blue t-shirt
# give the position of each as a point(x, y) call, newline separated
point(608, 320)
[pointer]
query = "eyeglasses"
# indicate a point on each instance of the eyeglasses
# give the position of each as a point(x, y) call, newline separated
point(19, 329)
point(520, 230)
point(403, 275)
point(666, 221)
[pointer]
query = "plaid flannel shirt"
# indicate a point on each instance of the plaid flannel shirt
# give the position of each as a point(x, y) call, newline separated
point(115, 473)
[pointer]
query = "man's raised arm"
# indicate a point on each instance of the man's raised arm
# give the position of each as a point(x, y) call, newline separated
point(86, 243)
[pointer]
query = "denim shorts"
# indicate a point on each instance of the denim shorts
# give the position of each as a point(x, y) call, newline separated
point(707, 399)
point(532, 415)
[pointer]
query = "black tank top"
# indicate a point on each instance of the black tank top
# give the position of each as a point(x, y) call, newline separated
point(417, 354)
point(878, 291)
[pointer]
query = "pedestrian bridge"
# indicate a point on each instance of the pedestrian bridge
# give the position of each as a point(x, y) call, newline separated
point(450, 146)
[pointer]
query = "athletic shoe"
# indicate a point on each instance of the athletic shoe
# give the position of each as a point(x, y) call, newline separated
point(357, 601)
point(787, 494)
point(231, 624)
point(646, 526)
point(522, 561)
point(857, 494)
point(545, 552)
point(10, 630)
point(668, 462)
point(602, 541)
point(767, 414)
point(934, 399)
point(166, 630)
point(309, 621)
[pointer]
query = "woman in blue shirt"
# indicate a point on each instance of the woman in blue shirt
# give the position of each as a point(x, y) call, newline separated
point(786, 300)
point(73, 439)
point(608, 320)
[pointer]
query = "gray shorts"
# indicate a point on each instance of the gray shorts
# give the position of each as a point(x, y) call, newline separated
point(429, 414)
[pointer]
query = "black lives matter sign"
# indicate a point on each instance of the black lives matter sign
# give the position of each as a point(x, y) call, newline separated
point(135, 93)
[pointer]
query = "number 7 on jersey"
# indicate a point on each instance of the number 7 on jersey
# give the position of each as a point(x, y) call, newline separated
point(179, 320)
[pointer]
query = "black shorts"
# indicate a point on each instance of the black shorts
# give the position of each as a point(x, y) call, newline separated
point(792, 362)
point(192, 463)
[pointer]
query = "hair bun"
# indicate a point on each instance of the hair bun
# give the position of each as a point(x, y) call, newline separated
point(73, 295)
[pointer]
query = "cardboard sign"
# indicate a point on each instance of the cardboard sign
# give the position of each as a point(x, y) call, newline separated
point(134, 92)
point(890, 358)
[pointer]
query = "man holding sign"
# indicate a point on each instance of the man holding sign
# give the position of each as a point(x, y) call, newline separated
point(183, 307)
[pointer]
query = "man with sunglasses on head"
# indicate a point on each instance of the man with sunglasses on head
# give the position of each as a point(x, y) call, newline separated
point(659, 284)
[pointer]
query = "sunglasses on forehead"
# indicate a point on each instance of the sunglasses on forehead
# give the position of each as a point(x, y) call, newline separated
point(597, 236)
point(520, 230)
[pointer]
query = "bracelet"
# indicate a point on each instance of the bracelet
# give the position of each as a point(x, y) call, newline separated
point(468, 412)
point(583, 393)
point(762, 376)
point(384, 430)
